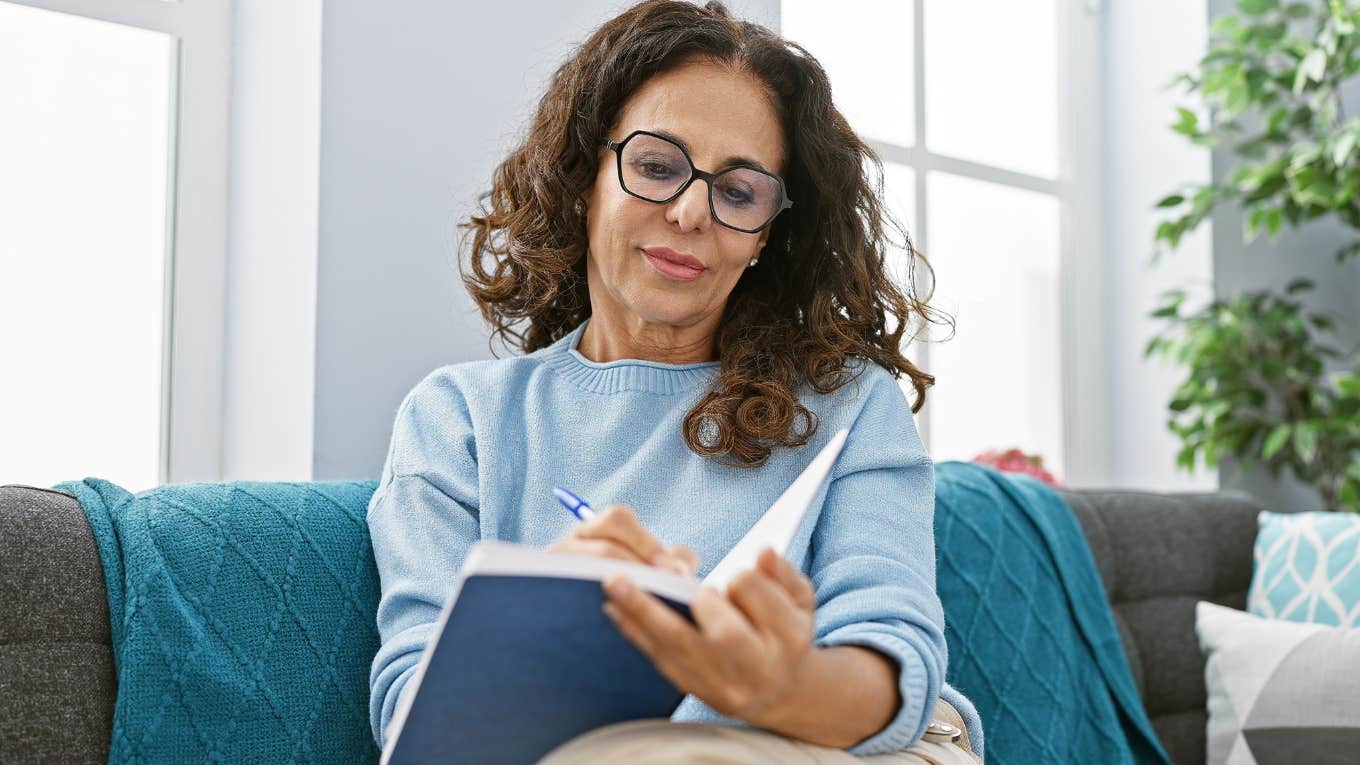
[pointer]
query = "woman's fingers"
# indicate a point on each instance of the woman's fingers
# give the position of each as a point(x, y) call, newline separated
point(794, 582)
point(620, 524)
point(600, 548)
point(688, 559)
point(618, 530)
point(718, 618)
point(766, 604)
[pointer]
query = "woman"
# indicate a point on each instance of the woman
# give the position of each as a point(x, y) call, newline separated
point(694, 255)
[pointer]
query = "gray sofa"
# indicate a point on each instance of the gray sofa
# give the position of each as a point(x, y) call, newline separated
point(1157, 553)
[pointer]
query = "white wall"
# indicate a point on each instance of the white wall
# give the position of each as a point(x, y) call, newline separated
point(1146, 42)
point(272, 241)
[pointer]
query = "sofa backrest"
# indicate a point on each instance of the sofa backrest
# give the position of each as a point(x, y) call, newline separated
point(1158, 554)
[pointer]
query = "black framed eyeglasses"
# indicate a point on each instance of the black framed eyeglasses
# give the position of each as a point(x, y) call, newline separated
point(657, 169)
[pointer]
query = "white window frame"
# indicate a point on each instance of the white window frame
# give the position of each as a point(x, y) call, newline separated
point(1077, 189)
point(195, 225)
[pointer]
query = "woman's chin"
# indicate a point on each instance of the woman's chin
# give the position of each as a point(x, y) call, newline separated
point(673, 314)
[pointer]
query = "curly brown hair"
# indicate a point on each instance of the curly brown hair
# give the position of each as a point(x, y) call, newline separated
point(799, 317)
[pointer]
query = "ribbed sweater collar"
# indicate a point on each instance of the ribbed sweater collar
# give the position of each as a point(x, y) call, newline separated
point(623, 374)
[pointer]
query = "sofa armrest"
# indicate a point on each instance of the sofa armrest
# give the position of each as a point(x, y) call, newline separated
point(57, 681)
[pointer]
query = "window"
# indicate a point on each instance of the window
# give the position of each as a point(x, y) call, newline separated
point(962, 103)
point(112, 239)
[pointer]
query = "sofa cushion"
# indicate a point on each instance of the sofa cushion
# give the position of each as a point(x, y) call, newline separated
point(1158, 554)
point(1279, 691)
point(57, 685)
point(1307, 568)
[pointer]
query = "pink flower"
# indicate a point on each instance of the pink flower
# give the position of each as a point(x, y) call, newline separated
point(1015, 461)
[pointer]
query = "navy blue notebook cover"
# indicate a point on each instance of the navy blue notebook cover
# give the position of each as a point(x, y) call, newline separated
point(523, 664)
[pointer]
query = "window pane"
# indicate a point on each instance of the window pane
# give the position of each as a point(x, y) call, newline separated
point(998, 380)
point(865, 47)
point(991, 72)
point(83, 225)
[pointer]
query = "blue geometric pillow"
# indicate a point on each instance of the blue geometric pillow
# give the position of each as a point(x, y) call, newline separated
point(1307, 568)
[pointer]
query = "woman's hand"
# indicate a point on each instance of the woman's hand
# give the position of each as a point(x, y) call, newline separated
point(744, 653)
point(616, 532)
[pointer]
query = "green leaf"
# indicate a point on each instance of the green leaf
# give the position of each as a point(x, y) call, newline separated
point(1298, 10)
point(1349, 385)
point(1341, 152)
point(1273, 220)
point(1275, 441)
point(1276, 118)
point(1186, 458)
point(1257, 7)
point(1252, 223)
point(1188, 124)
point(1171, 201)
point(1348, 251)
point(1298, 285)
point(1311, 68)
point(1305, 440)
point(1349, 493)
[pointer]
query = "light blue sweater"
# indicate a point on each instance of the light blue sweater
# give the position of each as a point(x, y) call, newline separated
point(477, 447)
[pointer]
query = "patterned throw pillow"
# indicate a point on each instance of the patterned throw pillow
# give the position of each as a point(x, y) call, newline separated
point(1279, 691)
point(1307, 568)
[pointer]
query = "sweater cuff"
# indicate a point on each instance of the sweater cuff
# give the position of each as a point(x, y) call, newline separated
point(914, 684)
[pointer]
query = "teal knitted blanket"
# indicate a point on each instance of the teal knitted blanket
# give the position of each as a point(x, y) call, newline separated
point(243, 622)
point(1032, 641)
point(242, 617)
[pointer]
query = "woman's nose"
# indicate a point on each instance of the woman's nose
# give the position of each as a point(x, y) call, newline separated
point(690, 209)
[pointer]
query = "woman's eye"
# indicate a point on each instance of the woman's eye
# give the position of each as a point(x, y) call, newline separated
point(737, 196)
point(655, 169)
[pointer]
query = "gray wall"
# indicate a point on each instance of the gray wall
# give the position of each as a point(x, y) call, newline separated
point(418, 103)
point(1305, 252)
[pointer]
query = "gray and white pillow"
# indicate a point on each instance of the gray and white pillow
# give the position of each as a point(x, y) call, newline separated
point(1280, 692)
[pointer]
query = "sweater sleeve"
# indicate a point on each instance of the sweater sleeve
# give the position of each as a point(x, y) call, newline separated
point(872, 559)
point(422, 519)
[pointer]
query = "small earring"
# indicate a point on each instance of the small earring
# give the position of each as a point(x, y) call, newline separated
point(753, 262)
point(580, 207)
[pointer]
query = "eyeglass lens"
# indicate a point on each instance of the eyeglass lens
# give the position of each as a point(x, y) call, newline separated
point(654, 168)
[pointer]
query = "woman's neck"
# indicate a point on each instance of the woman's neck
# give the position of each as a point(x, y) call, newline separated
point(604, 340)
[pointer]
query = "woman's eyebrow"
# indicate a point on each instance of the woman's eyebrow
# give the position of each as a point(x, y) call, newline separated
point(734, 160)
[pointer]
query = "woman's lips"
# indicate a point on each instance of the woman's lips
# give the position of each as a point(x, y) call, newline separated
point(671, 269)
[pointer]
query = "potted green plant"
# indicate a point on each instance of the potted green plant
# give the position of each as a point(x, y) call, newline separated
point(1257, 386)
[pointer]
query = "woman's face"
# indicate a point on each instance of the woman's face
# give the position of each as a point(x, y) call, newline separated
point(717, 115)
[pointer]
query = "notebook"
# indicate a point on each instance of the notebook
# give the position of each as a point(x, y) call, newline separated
point(523, 659)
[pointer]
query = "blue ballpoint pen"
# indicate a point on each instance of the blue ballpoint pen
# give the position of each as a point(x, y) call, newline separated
point(575, 504)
